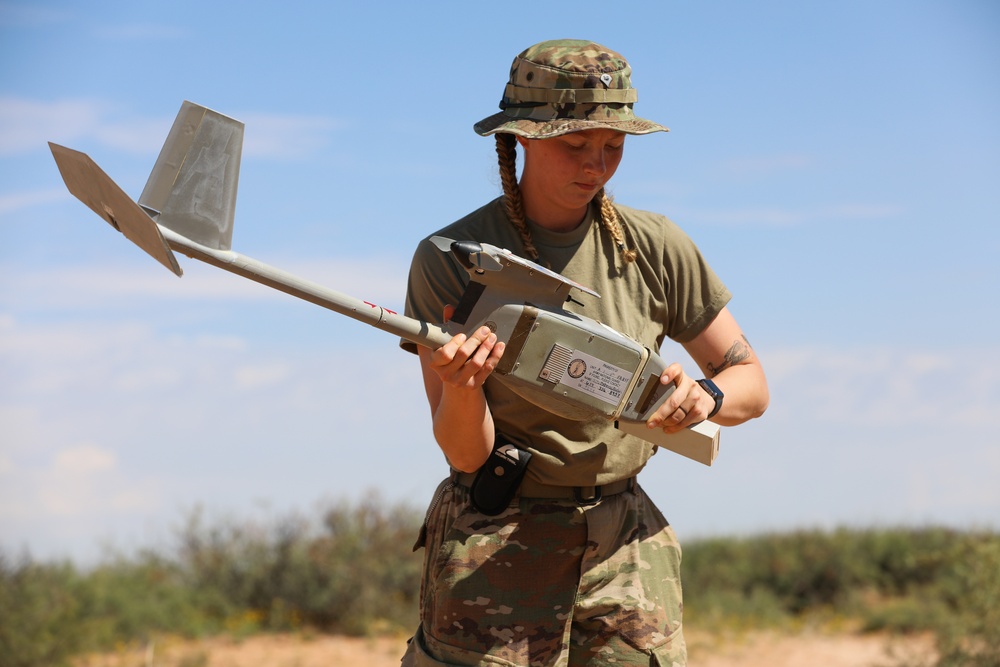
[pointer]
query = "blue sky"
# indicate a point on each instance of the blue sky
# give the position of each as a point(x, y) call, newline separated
point(838, 163)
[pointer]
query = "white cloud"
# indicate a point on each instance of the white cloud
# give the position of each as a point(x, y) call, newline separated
point(77, 481)
point(882, 385)
point(285, 136)
point(26, 124)
point(51, 359)
point(141, 32)
point(23, 200)
point(148, 378)
point(85, 459)
point(377, 280)
point(769, 217)
point(860, 212)
point(21, 422)
point(261, 376)
point(785, 217)
point(136, 136)
point(23, 15)
point(766, 165)
point(88, 285)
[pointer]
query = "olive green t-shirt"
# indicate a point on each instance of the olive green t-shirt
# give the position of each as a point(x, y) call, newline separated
point(668, 292)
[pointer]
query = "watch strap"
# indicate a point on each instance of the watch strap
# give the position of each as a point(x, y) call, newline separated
point(712, 390)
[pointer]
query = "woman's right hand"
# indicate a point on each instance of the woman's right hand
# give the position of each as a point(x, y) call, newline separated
point(466, 361)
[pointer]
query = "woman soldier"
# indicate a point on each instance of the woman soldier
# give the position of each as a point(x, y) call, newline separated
point(580, 568)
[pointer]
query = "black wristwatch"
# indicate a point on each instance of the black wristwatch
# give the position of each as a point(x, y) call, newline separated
point(713, 391)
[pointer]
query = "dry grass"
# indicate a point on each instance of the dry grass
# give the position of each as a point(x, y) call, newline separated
point(751, 649)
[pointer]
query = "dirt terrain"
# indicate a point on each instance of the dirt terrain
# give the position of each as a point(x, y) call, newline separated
point(757, 649)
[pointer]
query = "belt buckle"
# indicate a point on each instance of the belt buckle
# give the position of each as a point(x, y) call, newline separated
point(580, 500)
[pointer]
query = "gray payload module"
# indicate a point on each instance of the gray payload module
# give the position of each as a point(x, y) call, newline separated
point(564, 362)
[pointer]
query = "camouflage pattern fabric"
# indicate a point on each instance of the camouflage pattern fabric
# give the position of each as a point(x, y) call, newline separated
point(567, 85)
point(549, 582)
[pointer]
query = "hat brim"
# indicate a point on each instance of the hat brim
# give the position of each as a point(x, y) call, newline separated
point(544, 129)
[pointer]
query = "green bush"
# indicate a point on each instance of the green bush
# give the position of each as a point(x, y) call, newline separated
point(971, 635)
point(800, 571)
point(355, 572)
point(137, 599)
point(892, 579)
point(39, 613)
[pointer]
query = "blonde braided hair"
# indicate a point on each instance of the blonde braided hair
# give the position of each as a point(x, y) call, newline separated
point(613, 224)
point(514, 203)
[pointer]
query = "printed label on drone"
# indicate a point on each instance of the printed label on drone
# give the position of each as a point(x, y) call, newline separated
point(596, 377)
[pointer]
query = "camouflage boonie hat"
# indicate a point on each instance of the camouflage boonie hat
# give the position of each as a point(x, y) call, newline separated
point(567, 85)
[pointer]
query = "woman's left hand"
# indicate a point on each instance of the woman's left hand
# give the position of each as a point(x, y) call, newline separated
point(687, 405)
point(723, 354)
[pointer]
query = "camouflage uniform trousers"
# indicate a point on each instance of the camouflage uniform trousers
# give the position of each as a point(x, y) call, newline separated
point(549, 583)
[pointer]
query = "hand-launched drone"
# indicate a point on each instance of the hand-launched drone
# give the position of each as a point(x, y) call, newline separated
point(566, 363)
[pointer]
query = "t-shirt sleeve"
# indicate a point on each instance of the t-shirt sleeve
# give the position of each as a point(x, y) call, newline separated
point(695, 294)
point(435, 281)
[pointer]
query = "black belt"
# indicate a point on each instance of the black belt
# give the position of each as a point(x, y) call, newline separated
point(585, 495)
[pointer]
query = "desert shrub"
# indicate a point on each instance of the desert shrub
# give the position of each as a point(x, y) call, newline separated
point(139, 598)
point(39, 612)
point(797, 572)
point(353, 572)
point(377, 574)
point(917, 612)
point(970, 637)
point(49, 612)
point(896, 579)
point(905, 560)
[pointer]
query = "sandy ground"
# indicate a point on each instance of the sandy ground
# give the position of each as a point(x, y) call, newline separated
point(756, 649)
point(760, 649)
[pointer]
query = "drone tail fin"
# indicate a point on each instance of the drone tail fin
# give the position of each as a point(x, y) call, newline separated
point(192, 188)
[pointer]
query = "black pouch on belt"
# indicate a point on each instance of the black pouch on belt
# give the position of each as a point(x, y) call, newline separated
point(498, 479)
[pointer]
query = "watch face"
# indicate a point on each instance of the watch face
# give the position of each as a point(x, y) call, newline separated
point(577, 368)
point(711, 388)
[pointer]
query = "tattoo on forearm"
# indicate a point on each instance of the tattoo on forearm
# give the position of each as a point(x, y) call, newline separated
point(739, 351)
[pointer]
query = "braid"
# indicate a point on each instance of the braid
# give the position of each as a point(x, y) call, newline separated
point(513, 204)
point(612, 223)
